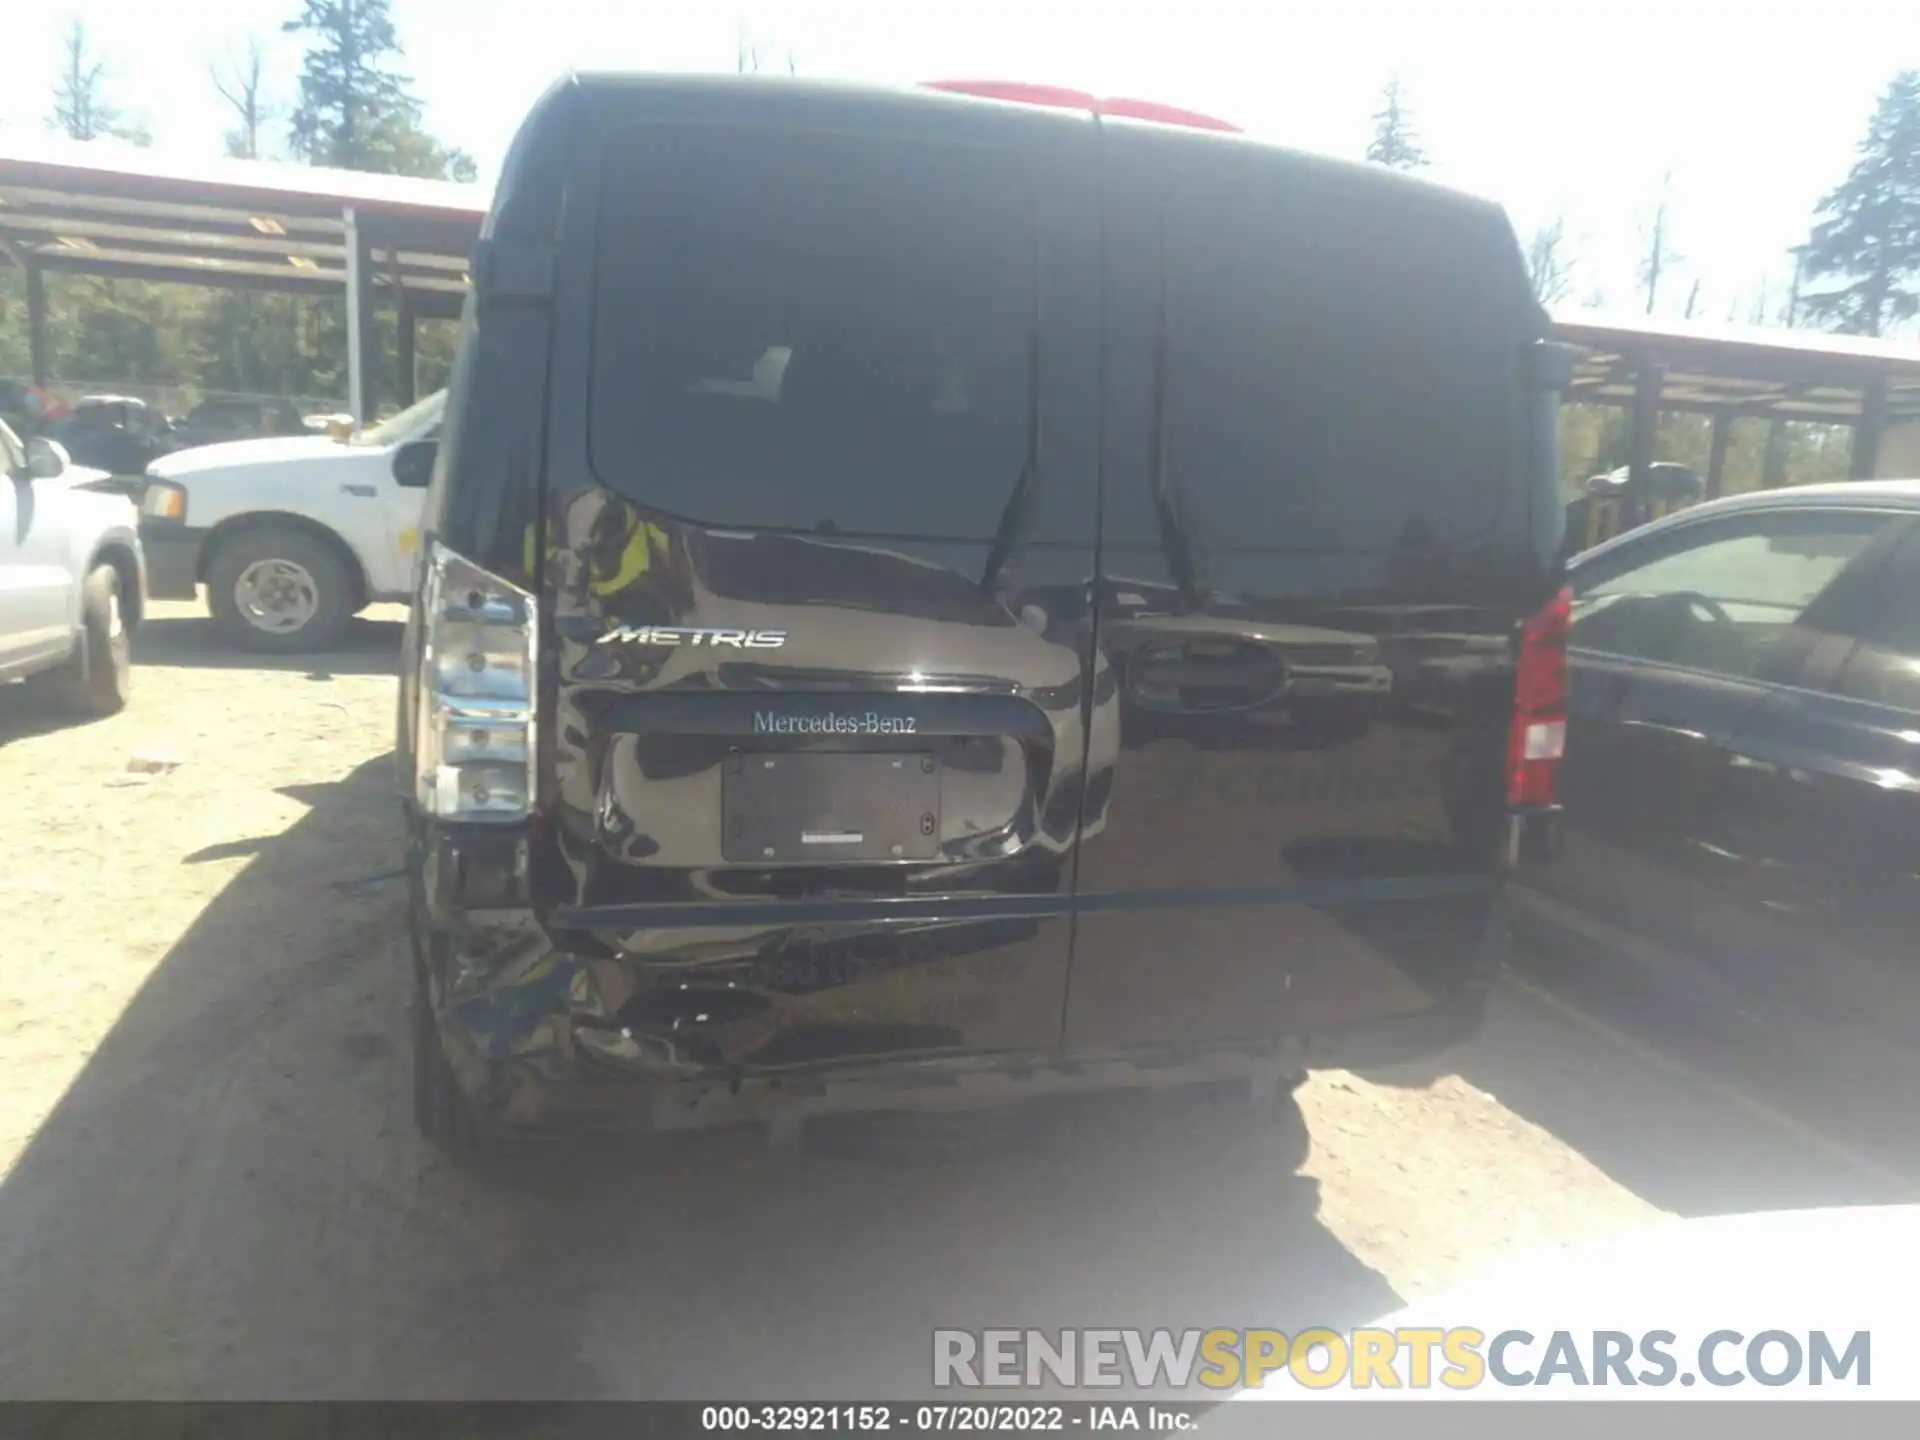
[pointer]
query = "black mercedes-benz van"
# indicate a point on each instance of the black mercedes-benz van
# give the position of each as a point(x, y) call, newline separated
point(932, 597)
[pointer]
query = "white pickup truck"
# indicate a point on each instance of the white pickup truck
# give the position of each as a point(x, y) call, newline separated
point(292, 536)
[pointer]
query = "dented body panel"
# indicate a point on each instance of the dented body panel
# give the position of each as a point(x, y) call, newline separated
point(925, 746)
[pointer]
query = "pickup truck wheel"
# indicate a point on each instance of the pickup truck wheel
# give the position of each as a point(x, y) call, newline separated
point(99, 677)
point(279, 590)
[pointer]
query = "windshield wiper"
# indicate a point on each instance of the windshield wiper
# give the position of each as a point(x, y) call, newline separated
point(1016, 521)
point(1176, 528)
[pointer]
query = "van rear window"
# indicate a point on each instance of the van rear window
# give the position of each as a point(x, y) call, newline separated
point(813, 332)
point(1343, 365)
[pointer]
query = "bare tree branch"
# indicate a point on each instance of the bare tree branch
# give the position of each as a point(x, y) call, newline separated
point(1549, 265)
point(1660, 256)
point(241, 84)
point(79, 111)
point(749, 56)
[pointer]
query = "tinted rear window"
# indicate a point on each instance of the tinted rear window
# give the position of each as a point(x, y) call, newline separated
point(1343, 364)
point(804, 331)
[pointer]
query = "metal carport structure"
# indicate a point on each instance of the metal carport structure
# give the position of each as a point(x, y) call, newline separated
point(1733, 372)
point(106, 208)
point(103, 208)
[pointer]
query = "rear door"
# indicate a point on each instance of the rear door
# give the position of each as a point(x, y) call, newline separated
point(1316, 476)
point(821, 528)
point(1643, 741)
point(1814, 817)
point(18, 606)
point(36, 589)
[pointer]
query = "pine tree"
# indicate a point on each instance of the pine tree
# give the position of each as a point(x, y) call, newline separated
point(1394, 141)
point(356, 112)
point(1866, 233)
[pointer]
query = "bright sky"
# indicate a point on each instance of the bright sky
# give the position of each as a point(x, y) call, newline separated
point(1552, 108)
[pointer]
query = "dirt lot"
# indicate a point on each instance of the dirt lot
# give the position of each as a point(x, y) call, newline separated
point(213, 1190)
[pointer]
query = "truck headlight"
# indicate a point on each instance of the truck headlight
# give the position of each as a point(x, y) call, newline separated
point(163, 500)
point(474, 755)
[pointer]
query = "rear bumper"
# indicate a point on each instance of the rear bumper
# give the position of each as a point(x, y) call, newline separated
point(551, 1092)
point(173, 559)
point(522, 1021)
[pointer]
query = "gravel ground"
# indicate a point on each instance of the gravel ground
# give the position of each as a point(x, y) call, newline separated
point(212, 1188)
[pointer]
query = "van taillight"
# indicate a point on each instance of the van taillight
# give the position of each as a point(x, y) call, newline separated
point(1538, 738)
point(474, 746)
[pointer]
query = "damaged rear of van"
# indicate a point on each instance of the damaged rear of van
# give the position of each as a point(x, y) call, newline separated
point(929, 598)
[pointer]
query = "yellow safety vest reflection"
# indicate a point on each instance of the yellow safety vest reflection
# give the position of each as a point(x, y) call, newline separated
point(636, 559)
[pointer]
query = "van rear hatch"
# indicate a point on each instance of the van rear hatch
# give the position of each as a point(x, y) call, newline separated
point(817, 574)
point(1008, 578)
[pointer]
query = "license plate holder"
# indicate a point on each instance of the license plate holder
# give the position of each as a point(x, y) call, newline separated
point(829, 808)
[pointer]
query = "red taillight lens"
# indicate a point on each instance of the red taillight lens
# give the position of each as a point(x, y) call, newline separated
point(1538, 738)
point(1059, 97)
point(1166, 115)
point(1018, 91)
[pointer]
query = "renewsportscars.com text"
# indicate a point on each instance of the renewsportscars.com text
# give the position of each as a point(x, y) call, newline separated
point(1461, 1358)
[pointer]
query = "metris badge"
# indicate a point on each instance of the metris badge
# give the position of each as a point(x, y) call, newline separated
point(694, 635)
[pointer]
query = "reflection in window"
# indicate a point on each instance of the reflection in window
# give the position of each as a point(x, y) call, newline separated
point(1331, 388)
point(807, 331)
point(1884, 668)
point(1730, 599)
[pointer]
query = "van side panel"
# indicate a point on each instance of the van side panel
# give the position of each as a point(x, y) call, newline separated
point(1317, 545)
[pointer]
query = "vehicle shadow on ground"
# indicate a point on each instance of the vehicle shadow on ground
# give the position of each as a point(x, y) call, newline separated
point(26, 711)
point(368, 647)
point(1659, 1097)
point(229, 1202)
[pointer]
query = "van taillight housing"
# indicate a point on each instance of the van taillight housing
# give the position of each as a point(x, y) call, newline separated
point(474, 745)
point(1538, 738)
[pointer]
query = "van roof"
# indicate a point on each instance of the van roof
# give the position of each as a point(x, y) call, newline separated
point(1167, 124)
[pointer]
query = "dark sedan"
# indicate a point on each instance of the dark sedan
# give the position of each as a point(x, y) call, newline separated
point(116, 433)
point(215, 421)
point(1742, 781)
